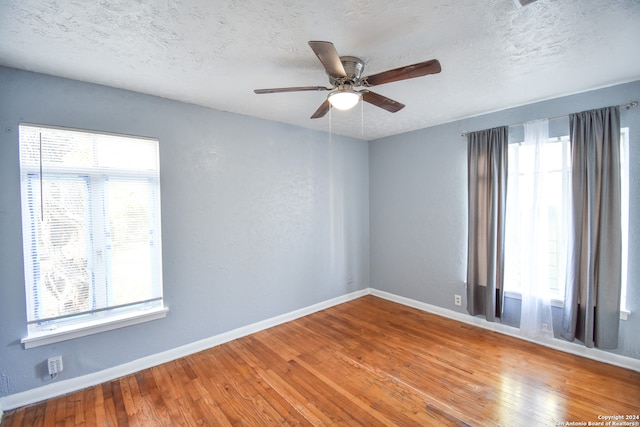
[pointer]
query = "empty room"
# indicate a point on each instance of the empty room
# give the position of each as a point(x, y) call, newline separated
point(355, 212)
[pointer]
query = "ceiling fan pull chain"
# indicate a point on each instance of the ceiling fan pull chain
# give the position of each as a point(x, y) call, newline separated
point(330, 126)
point(362, 120)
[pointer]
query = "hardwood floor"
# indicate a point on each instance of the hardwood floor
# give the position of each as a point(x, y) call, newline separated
point(368, 362)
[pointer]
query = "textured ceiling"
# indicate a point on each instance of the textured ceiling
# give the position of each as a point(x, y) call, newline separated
point(494, 55)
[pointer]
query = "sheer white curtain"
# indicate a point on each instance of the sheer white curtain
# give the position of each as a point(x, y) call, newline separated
point(532, 227)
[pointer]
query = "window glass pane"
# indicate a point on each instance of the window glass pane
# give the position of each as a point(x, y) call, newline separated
point(546, 205)
point(141, 154)
point(60, 147)
point(91, 224)
point(59, 250)
point(555, 197)
point(624, 205)
point(130, 219)
point(66, 148)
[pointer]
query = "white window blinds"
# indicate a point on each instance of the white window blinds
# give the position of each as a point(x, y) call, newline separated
point(91, 225)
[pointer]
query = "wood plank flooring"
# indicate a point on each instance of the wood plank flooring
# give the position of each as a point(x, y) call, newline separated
point(367, 362)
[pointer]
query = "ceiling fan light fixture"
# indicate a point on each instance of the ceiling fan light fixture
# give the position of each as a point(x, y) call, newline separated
point(344, 99)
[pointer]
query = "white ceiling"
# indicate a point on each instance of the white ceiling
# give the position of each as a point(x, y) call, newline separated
point(494, 55)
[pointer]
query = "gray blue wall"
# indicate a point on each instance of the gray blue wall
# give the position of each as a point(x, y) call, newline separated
point(261, 218)
point(418, 205)
point(258, 219)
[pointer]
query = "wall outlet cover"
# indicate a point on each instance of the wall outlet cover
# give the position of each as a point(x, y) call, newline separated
point(54, 364)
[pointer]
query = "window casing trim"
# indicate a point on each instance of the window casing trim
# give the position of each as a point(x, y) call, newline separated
point(43, 331)
point(37, 339)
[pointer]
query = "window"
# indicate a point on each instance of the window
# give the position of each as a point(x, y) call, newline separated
point(624, 208)
point(554, 203)
point(91, 231)
point(553, 206)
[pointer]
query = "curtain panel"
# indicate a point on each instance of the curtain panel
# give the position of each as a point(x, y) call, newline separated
point(534, 196)
point(487, 157)
point(592, 293)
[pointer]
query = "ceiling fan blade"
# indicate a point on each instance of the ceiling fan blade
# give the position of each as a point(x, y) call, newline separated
point(329, 57)
point(408, 72)
point(291, 89)
point(322, 110)
point(381, 101)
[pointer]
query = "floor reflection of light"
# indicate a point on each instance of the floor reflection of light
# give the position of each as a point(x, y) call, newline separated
point(519, 394)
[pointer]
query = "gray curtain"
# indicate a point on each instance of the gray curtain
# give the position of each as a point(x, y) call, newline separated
point(487, 181)
point(592, 296)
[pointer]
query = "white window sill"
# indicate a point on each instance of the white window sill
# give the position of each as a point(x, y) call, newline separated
point(64, 333)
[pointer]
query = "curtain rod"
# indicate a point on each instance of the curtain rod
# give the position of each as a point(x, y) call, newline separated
point(627, 106)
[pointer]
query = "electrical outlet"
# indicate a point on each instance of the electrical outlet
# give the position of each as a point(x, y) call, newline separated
point(55, 365)
point(545, 327)
point(457, 299)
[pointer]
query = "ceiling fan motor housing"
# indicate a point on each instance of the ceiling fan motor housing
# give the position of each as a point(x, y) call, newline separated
point(353, 67)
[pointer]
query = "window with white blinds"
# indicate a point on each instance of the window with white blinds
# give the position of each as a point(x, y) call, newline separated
point(91, 226)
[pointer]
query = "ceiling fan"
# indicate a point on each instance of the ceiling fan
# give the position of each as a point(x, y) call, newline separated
point(345, 74)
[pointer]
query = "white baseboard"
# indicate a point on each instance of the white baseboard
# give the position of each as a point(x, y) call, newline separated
point(556, 344)
point(61, 388)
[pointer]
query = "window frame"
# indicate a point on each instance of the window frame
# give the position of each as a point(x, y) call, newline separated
point(625, 169)
point(95, 320)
